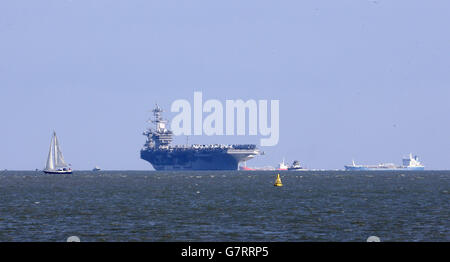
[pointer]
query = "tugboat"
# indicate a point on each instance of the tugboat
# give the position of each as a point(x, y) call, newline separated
point(295, 166)
point(96, 168)
point(245, 168)
point(55, 160)
point(282, 166)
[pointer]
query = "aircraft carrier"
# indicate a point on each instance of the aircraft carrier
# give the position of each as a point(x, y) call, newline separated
point(158, 151)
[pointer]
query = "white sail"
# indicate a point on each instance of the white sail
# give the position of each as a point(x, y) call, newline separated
point(50, 162)
point(59, 159)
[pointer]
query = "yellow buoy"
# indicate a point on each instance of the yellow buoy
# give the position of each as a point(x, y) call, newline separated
point(278, 181)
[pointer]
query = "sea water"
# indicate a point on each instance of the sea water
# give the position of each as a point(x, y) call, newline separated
point(225, 206)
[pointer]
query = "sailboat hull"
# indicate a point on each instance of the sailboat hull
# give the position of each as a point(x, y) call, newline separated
point(58, 172)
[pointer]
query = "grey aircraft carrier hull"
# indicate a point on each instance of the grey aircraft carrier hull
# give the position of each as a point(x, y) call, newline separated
point(190, 159)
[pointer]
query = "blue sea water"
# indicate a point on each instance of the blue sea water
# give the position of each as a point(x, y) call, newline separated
point(225, 206)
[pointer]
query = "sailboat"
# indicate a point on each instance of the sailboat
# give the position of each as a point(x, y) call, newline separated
point(55, 160)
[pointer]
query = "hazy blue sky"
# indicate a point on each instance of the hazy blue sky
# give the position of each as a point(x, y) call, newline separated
point(364, 80)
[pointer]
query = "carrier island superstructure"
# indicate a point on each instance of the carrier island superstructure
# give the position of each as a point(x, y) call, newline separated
point(158, 151)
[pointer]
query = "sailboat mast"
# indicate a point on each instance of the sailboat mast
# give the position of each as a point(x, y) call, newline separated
point(55, 150)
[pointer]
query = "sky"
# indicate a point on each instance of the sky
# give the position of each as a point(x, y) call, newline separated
point(356, 79)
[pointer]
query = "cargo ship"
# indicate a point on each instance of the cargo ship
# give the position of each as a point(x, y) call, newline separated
point(410, 163)
point(162, 156)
